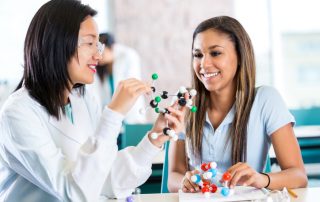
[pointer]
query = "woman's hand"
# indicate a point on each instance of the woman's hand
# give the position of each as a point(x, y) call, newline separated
point(243, 174)
point(126, 95)
point(175, 121)
point(187, 185)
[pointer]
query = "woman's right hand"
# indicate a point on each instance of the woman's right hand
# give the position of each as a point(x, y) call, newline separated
point(187, 185)
point(126, 95)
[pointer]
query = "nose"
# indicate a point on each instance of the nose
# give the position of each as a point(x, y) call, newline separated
point(206, 61)
point(97, 56)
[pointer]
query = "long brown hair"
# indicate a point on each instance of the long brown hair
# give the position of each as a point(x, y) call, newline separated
point(245, 89)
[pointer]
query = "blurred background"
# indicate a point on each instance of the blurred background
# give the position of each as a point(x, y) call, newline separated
point(285, 35)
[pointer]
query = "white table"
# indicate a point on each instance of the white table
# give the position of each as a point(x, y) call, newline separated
point(304, 195)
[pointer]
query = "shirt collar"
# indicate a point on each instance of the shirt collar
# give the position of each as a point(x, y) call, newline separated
point(228, 119)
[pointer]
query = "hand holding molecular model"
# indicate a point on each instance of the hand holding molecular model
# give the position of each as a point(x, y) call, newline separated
point(207, 177)
point(174, 114)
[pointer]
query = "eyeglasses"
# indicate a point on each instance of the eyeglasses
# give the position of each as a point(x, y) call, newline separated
point(92, 46)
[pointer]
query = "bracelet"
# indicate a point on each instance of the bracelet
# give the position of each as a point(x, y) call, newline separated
point(268, 179)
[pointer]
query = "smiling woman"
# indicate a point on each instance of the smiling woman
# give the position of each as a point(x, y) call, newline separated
point(236, 122)
point(82, 66)
point(55, 144)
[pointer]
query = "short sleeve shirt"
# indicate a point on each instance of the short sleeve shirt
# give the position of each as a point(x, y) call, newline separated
point(268, 114)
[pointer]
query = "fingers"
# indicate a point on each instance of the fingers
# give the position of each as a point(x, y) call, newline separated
point(188, 185)
point(178, 113)
point(241, 173)
point(134, 87)
point(173, 120)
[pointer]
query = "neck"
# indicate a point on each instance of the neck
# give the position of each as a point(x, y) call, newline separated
point(222, 100)
point(66, 96)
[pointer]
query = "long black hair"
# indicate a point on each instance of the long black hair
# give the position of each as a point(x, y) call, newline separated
point(50, 43)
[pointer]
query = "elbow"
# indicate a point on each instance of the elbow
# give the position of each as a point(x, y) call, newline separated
point(304, 181)
point(172, 185)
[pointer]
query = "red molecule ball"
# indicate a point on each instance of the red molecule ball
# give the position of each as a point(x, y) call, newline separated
point(226, 176)
point(205, 189)
point(206, 183)
point(213, 188)
point(205, 167)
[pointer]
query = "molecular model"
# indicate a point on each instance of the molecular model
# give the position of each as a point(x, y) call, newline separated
point(180, 97)
point(207, 178)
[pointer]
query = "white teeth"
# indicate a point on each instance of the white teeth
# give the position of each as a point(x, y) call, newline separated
point(210, 74)
point(92, 66)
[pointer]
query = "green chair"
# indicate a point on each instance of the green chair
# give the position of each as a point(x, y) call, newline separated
point(133, 133)
point(306, 116)
point(310, 146)
point(267, 168)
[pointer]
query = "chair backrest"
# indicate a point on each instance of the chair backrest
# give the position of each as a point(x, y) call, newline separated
point(267, 168)
point(164, 181)
point(133, 133)
point(307, 116)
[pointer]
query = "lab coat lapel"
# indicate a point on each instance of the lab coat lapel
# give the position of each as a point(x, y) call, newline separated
point(80, 130)
point(81, 116)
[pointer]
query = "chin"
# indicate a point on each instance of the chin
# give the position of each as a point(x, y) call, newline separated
point(212, 88)
point(87, 81)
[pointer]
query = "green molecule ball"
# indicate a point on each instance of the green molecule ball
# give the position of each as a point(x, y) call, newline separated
point(157, 99)
point(194, 109)
point(154, 76)
point(157, 109)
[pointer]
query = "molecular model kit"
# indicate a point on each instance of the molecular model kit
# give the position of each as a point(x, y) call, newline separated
point(208, 178)
point(180, 97)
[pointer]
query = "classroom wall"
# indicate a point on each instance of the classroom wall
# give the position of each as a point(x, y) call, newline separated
point(161, 32)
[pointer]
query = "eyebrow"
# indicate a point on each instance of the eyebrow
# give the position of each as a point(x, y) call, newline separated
point(210, 47)
point(90, 35)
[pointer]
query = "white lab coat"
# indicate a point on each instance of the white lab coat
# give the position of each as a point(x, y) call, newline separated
point(126, 65)
point(43, 159)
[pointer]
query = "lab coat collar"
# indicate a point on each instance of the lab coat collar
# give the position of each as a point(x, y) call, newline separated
point(81, 128)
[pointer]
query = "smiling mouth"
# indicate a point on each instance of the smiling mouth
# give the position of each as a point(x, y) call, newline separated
point(93, 68)
point(210, 75)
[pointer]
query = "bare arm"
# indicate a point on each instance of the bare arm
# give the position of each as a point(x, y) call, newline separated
point(177, 165)
point(286, 147)
point(292, 174)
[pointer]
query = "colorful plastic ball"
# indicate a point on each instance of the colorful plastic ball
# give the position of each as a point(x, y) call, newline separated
point(204, 167)
point(226, 176)
point(213, 171)
point(213, 188)
point(156, 109)
point(225, 191)
point(194, 109)
point(157, 99)
point(153, 89)
point(205, 189)
point(129, 199)
point(213, 165)
point(154, 76)
point(153, 104)
point(196, 178)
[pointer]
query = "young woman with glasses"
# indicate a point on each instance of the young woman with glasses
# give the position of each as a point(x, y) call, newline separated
point(55, 144)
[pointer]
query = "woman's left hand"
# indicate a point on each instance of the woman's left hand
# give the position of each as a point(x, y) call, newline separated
point(243, 174)
point(175, 121)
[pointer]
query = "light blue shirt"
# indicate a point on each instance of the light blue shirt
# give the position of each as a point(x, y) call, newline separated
point(268, 114)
